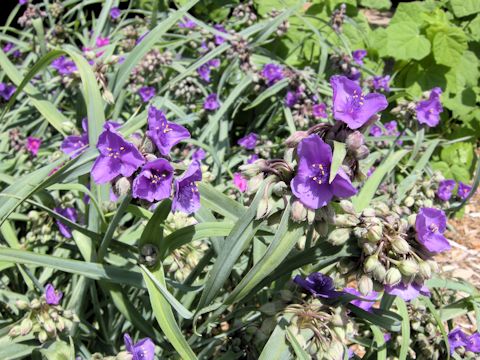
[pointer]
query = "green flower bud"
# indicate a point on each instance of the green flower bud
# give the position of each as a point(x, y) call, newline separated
point(251, 170)
point(35, 304)
point(295, 138)
point(355, 140)
point(369, 248)
point(279, 188)
point(346, 220)
point(424, 270)
point(382, 208)
point(14, 331)
point(400, 245)
point(393, 276)
point(49, 326)
point(122, 186)
point(299, 212)
point(409, 201)
point(339, 236)
point(374, 233)
point(408, 267)
point(42, 336)
point(371, 263)
point(379, 273)
point(60, 324)
point(148, 146)
point(33, 215)
point(360, 232)
point(254, 183)
point(22, 304)
point(25, 326)
point(412, 219)
point(365, 285)
point(369, 212)
point(321, 227)
point(347, 207)
point(361, 153)
point(263, 208)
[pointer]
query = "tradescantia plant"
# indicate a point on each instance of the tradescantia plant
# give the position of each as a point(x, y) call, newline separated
point(179, 181)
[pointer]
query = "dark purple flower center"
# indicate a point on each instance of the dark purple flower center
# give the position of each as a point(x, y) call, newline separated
point(320, 173)
point(355, 103)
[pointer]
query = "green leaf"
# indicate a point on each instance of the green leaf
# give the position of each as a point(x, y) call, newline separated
point(380, 341)
point(268, 93)
point(263, 7)
point(377, 4)
point(463, 8)
point(404, 345)
point(461, 153)
point(384, 318)
point(339, 152)
point(405, 42)
point(277, 345)
point(297, 348)
point(449, 46)
point(440, 325)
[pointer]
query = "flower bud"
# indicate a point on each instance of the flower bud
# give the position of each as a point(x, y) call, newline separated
point(279, 188)
point(25, 326)
point(433, 266)
point(136, 139)
point(412, 219)
point(251, 170)
point(369, 248)
point(122, 186)
point(400, 245)
point(150, 157)
point(393, 276)
point(299, 212)
point(424, 270)
point(33, 215)
point(361, 153)
point(355, 140)
point(369, 212)
point(14, 331)
point(42, 336)
point(294, 139)
point(347, 206)
point(321, 227)
point(124, 355)
point(409, 201)
point(22, 304)
point(339, 236)
point(49, 326)
point(371, 263)
point(379, 273)
point(365, 285)
point(35, 304)
point(148, 146)
point(374, 233)
point(382, 208)
point(408, 267)
point(254, 183)
point(346, 220)
point(335, 350)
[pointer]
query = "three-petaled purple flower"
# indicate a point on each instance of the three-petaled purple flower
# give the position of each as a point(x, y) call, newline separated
point(291, 98)
point(351, 106)
point(164, 134)
point(272, 73)
point(428, 111)
point(52, 296)
point(187, 24)
point(381, 83)
point(205, 70)
point(430, 225)
point(407, 292)
point(376, 131)
point(154, 183)
point(6, 91)
point(457, 338)
point(362, 304)
point(143, 349)
point(211, 102)
point(71, 214)
point(311, 184)
point(64, 66)
point(358, 56)
point(248, 141)
point(199, 154)
point(146, 93)
point(319, 110)
point(463, 190)
point(318, 284)
point(115, 13)
point(74, 145)
point(240, 182)
point(117, 156)
point(445, 189)
point(33, 145)
point(187, 197)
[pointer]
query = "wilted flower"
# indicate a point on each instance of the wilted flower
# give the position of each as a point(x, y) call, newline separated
point(74, 145)
point(52, 296)
point(6, 91)
point(311, 183)
point(457, 338)
point(381, 83)
point(143, 349)
point(351, 106)
point(211, 102)
point(407, 291)
point(71, 214)
point(146, 93)
point(428, 111)
point(187, 24)
point(165, 134)
point(272, 73)
point(199, 154)
point(463, 190)
point(365, 305)
point(430, 226)
point(115, 13)
point(117, 156)
point(358, 56)
point(154, 183)
point(318, 284)
point(187, 198)
point(240, 182)
point(319, 110)
point(64, 66)
point(33, 145)
point(445, 189)
point(248, 141)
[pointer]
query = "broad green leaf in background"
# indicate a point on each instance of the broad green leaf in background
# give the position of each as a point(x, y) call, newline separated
point(405, 42)
point(449, 45)
point(463, 8)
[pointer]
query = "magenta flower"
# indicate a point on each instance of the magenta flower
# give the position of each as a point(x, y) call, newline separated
point(6, 91)
point(457, 338)
point(463, 190)
point(164, 134)
point(187, 198)
point(428, 111)
point(272, 73)
point(115, 13)
point(52, 296)
point(211, 103)
point(376, 131)
point(74, 145)
point(291, 99)
point(473, 343)
point(146, 93)
point(311, 183)
point(240, 182)
point(187, 24)
point(365, 305)
point(143, 349)
point(71, 214)
point(358, 56)
point(117, 156)
point(252, 159)
point(407, 292)
point(64, 66)
point(154, 183)
point(102, 41)
point(318, 284)
point(248, 141)
point(351, 106)
point(219, 40)
point(8, 46)
point(445, 189)
point(33, 145)
point(381, 83)
point(199, 154)
point(319, 110)
point(430, 226)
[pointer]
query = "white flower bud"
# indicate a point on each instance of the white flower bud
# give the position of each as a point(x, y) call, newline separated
point(365, 285)
point(393, 276)
point(374, 233)
point(371, 263)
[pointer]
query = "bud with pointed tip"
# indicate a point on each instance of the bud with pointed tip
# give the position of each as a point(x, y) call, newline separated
point(374, 233)
point(35, 304)
point(42, 336)
point(371, 263)
point(355, 140)
point(14, 331)
point(409, 201)
point(400, 245)
point(424, 270)
point(22, 304)
point(346, 220)
point(369, 212)
point(299, 212)
point(279, 188)
point(295, 138)
point(365, 285)
point(408, 267)
point(339, 236)
point(393, 276)
point(347, 206)
point(122, 186)
point(25, 326)
point(379, 273)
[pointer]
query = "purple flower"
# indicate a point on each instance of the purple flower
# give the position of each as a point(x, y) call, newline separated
point(376, 131)
point(430, 226)
point(248, 141)
point(391, 128)
point(64, 66)
point(428, 111)
point(463, 190)
point(215, 63)
point(365, 305)
point(252, 159)
point(164, 134)
point(187, 24)
point(8, 46)
point(154, 183)
point(387, 337)
point(52, 296)
point(311, 183)
point(115, 13)
point(351, 106)
point(211, 103)
point(272, 73)
point(381, 83)
point(457, 338)
point(6, 91)
point(22, 2)
point(117, 156)
point(291, 99)
point(219, 40)
point(240, 182)
point(143, 349)
point(199, 154)
point(33, 145)
point(319, 110)
point(187, 198)
point(204, 72)
point(146, 93)
point(358, 56)
point(318, 284)
point(71, 214)
point(102, 41)
point(139, 40)
point(407, 292)
point(74, 145)
point(473, 343)
point(445, 189)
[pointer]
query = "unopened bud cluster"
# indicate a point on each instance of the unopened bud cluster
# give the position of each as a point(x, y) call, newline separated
point(149, 70)
point(245, 12)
